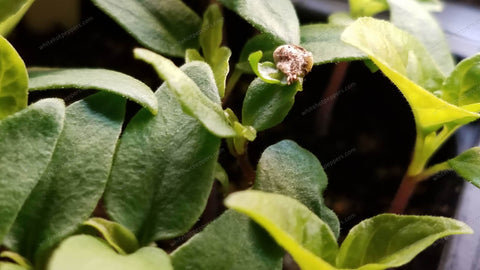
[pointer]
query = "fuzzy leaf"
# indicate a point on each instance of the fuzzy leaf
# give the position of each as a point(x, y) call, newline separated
point(324, 42)
point(84, 252)
point(210, 41)
point(164, 166)
point(220, 244)
point(286, 168)
point(275, 17)
point(462, 87)
point(167, 26)
point(75, 179)
point(467, 165)
point(11, 12)
point(193, 101)
point(266, 105)
point(13, 80)
point(98, 79)
point(28, 139)
point(298, 230)
point(387, 240)
point(406, 62)
point(117, 236)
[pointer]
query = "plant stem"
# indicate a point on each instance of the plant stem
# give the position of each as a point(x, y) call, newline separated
point(247, 169)
point(324, 114)
point(403, 195)
point(232, 81)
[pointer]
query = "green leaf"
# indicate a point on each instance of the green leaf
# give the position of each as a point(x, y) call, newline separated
point(16, 258)
point(410, 16)
point(467, 165)
point(221, 68)
point(119, 237)
point(211, 35)
point(361, 8)
point(287, 169)
point(275, 17)
point(164, 167)
point(262, 42)
point(166, 26)
point(210, 40)
point(74, 181)
point(462, 87)
point(298, 230)
point(266, 105)
point(84, 252)
point(387, 240)
point(324, 42)
point(222, 177)
point(193, 55)
point(267, 71)
point(98, 79)
point(27, 142)
point(231, 242)
point(11, 266)
point(406, 62)
point(207, 109)
point(13, 80)
point(11, 11)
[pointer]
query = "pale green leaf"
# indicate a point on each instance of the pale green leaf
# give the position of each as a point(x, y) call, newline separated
point(231, 242)
point(462, 87)
point(166, 26)
point(12, 266)
point(211, 35)
point(298, 230)
point(324, 42)
point(210, 40)
point(266, 105)
point(267, 71)
point(467, 165)
point(275, 17)
point(221, 68)
point(193, 101)
point(164, 167)
point(84, 252)
point(98, 79)
point(286, 168)
point(11, 12)
point(410, 16)
point(28, 139)
point(75, 179)
point(13, 80)
point(117, 236)
point(193, 55)
point(406, 62)
point(387, 240)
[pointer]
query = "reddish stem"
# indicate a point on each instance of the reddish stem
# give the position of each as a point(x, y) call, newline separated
point(324, 114)
point(404, 193)
point(247, 169)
